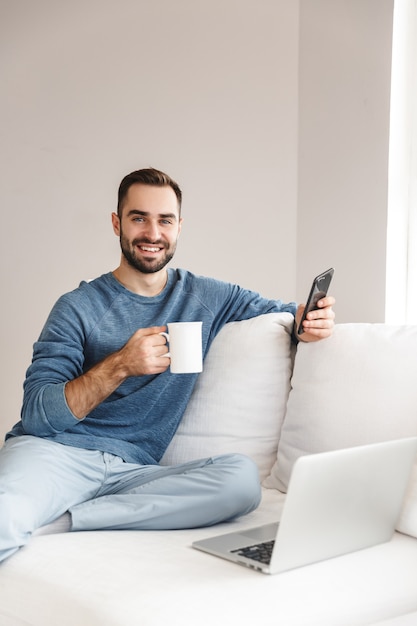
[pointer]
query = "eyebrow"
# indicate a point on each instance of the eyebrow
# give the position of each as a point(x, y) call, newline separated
point(146, 214)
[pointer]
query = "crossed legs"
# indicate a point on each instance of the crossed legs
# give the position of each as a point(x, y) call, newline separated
point(40, 480)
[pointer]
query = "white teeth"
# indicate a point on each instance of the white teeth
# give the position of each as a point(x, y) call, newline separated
point(147, 249)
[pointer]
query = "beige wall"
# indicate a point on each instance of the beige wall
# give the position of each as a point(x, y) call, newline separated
point(344, 104)
point(96, 88)
point(207, 91)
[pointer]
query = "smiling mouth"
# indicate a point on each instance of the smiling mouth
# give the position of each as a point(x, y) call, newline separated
point(151, 249)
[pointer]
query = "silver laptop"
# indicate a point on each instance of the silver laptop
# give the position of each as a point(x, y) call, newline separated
point(337, 502)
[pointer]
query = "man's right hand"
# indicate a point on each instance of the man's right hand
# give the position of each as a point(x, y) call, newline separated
point(143, 354)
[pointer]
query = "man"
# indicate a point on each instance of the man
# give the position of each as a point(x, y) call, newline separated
point(100, 404)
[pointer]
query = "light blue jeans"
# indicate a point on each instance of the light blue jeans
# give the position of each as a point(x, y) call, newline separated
point(40, 480)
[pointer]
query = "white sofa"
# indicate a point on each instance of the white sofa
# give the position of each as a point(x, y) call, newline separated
point(357, 387)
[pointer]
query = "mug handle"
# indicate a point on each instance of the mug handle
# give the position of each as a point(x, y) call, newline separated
point(168, 354)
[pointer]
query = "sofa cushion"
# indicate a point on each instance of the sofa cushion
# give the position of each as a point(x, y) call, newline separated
point(357, 387)
point(408, 520)
point(239, 401)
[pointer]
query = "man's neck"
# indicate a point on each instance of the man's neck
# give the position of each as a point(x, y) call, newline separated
point(142, 284)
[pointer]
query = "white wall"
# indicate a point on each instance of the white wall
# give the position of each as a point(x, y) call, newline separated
point(92, 89)
point(344, 90)
point(208, 91)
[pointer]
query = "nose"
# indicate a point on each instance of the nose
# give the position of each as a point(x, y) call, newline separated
point(152, 230)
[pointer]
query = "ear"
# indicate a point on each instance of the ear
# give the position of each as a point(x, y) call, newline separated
point(179, 226)
point(116, 223)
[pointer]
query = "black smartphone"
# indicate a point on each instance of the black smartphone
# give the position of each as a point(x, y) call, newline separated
point(318, 290)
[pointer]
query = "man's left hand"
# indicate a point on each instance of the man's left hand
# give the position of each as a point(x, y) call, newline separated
point(319, 324)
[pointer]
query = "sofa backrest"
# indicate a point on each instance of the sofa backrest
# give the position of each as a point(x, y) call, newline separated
point(239, 402)
point(357, 387)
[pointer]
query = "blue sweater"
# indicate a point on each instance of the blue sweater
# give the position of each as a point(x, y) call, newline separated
point(139, 419)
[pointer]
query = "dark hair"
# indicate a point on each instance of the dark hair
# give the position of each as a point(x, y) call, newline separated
point(147, 176)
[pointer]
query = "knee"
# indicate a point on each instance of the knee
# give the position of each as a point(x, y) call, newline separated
point(241, 484)
point(14, 530)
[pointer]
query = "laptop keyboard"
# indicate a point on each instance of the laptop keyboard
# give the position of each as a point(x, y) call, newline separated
point(261, 552)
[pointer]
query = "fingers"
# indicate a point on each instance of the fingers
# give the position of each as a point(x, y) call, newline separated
point(152, 330)
point(145, 352)
point(319, 323)
point(314, 333)
point(328, 301)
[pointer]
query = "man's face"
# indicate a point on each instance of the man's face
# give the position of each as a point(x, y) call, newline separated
point(149, 227)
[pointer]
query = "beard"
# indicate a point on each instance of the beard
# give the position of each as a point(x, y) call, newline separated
point(146, 265)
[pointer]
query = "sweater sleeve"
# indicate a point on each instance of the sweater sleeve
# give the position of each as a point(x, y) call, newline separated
point(231, 303)
point(58, 357)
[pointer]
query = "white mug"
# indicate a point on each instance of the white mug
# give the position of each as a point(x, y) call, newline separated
point(185, 347)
